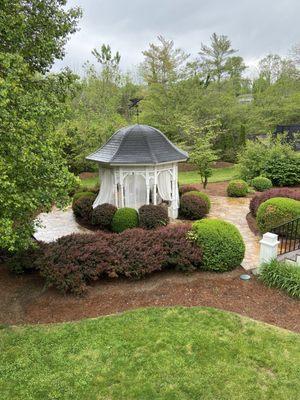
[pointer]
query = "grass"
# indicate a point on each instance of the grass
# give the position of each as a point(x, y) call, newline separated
point(156, 353)
point(219, 175)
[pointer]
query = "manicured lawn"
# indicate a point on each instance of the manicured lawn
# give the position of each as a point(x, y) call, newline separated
point(170, 353)
point(219, 175)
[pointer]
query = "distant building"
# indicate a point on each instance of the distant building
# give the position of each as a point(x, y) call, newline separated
point(245, 98)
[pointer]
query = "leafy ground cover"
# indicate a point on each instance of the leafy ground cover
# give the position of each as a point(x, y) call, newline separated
point(219, 175)
point(156, 353)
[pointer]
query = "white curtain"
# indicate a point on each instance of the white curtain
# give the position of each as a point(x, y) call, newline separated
point(164, 185)
point(106, 192)
point(135, 191)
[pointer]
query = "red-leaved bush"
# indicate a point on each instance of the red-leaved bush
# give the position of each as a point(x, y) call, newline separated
point(153, 216)
point(70, 263)
point(187, 188)
point(257, 200)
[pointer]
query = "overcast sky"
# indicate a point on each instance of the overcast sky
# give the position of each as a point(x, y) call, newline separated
point(255, 27)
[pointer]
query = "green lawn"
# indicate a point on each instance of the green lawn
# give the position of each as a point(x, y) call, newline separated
point(159, 353)
point(219, 175)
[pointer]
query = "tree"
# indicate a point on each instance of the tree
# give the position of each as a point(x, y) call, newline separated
point(203, 156)
point(37, 30)
point(33, 172)
point(163, 62)
point(214, 57)
point(110, 63)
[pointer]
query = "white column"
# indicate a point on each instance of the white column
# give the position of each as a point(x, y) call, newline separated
point(155, 187)
point(147, 187)
point(121, 187)
point(268, 247)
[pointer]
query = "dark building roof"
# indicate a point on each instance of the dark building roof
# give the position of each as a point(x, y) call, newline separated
point(138, 144)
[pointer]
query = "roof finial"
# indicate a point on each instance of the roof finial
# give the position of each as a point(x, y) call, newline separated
point(134, 103)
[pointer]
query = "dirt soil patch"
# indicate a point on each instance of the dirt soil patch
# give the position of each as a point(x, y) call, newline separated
point(24, 301)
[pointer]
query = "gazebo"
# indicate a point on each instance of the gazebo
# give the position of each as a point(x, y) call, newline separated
point(137, 166)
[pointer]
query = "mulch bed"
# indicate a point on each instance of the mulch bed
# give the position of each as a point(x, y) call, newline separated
point(24, 301)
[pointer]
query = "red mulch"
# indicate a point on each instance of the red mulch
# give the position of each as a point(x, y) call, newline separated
point(23, 300)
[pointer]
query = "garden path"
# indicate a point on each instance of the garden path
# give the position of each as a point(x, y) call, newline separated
point(56, 224)
point(235, 210)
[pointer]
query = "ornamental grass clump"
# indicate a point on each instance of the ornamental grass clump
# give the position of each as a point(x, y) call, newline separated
point(275, 212)
point(221, 243)
point(261, 183)
point(153, 216)
point(125, 218)
point(283, 276)
point(237, 188)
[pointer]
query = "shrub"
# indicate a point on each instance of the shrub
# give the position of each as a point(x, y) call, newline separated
point(102, 215)
point(125, 218)
point(152, 216)
point(203, 196)
point(194, 206)
point(72, 262)
point(83, 207)
point(24, 261)
point(78, 195)
point(221, 242)
point(283, 276)
point(187, 188)
point(261, 183)
point(258, 199)
point(276, 211)
point(237, 188)
point(283, 167)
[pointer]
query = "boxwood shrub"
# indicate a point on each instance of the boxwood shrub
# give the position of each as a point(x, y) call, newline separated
point(261, 183)
point(125, 218)
point(153, 216)
point(221, 242)
point(102, 215)
point(237, 188)
point(276, 211)
point(194, 205)
point(283, 276)
point(258, 199)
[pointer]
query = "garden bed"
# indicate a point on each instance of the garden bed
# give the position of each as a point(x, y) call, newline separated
point(23, 300)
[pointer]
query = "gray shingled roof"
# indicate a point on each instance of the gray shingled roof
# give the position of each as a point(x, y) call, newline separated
point(138, 144)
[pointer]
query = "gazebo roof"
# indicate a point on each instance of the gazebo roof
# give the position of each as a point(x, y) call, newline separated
point(138, 144)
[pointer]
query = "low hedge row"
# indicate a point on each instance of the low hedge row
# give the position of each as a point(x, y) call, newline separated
point(260, 198)
point(70, 263)
point(283, 276)
point(277, 211)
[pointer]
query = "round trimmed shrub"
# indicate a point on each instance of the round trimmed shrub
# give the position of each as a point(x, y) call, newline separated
point(260, 183)
point(187, 188)
point(83, 207)
point(153, 216)
point(221, 242)
point(260, 198)
point(203, 196)
point(194, 205)
point(237, 188)
point(102, 215)
point(125, 218)
point(275, 212)
point(78, 195)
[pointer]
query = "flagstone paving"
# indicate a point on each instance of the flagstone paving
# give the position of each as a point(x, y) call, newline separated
point(235, 210)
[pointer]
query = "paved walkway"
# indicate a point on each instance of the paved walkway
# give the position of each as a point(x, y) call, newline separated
point(56, 224)
point(59, 223)
point(235, 210)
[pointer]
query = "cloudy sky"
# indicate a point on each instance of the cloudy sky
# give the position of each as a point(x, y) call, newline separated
point(255, 27)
